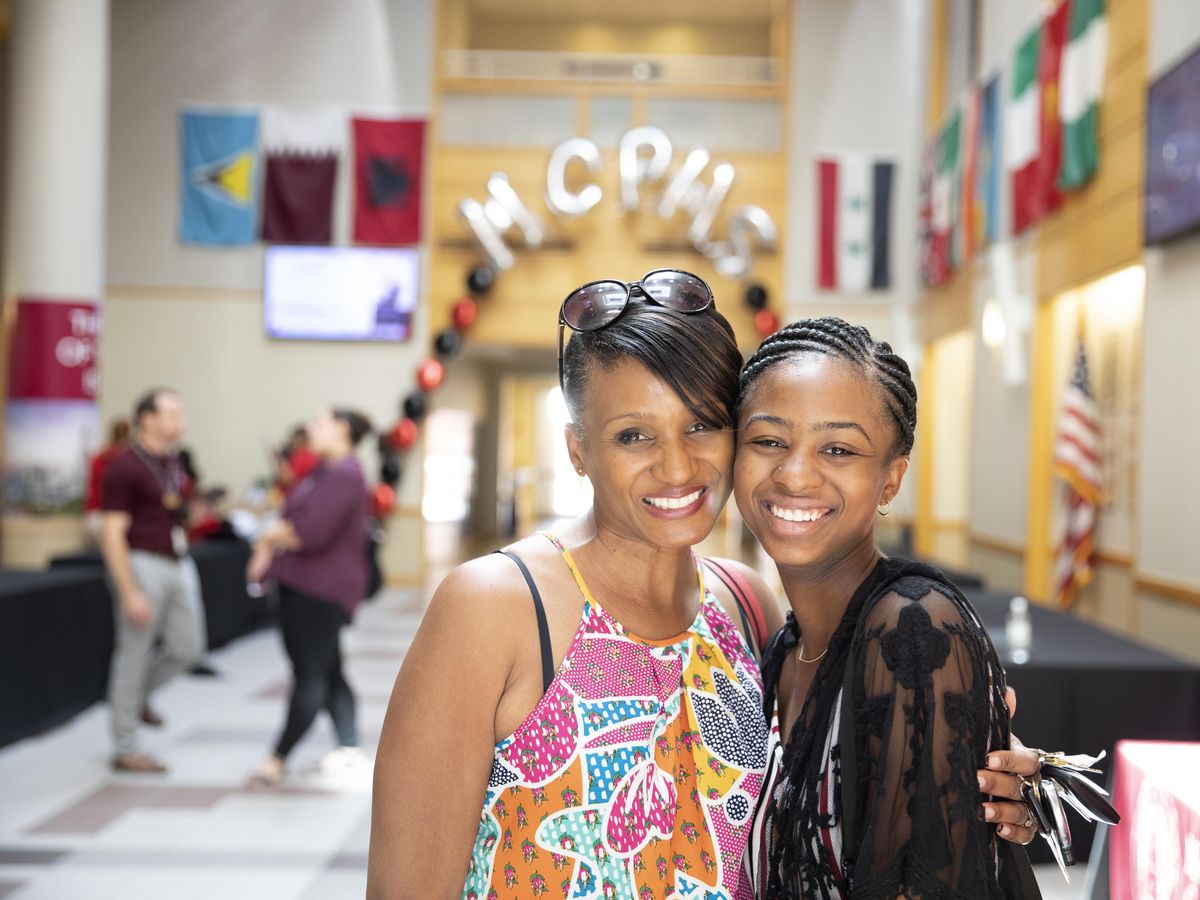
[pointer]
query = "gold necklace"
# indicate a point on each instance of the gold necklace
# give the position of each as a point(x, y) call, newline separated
point(800, 655)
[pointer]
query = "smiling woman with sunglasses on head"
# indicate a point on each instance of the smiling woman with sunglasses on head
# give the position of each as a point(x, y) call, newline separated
point(888, 691)
point(621, 754)
point(621, 751)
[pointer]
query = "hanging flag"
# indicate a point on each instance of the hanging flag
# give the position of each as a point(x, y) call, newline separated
point(931, 272)
point(945, 200)
point(1022, 131)
point(987, 166)
point(854, 211)
point(1082, 82)
point(219, 177)
point(387, 175)
point(302, 150)
point(1054, 37)
point(967, 236)
point(1077, 463)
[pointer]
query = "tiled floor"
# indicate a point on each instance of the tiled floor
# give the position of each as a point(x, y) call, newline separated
point(69, 828)
point(72, 830)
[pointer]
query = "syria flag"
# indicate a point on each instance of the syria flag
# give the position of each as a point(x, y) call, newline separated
point(854, 218)
point(302, 157)
point(387, 180)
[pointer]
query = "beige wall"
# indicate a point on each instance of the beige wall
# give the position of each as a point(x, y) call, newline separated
point(191, 317)
point(856, 85)
point(1000, 425)
point(1169, 490)
point(1154, 597)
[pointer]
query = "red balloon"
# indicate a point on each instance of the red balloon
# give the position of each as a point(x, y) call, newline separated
point(766, 322)
point(430, 374)
point(383, 499)
point(404, 435)
point(464, 313)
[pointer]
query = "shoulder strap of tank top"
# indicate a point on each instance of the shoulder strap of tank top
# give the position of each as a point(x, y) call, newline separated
point(543, 626)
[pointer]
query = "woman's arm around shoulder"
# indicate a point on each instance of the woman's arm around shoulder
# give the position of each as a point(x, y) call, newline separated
point(438, 739)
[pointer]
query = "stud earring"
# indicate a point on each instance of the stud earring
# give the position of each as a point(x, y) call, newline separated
point(884, 508)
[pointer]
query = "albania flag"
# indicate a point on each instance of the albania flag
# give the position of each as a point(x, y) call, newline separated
point(387, 180)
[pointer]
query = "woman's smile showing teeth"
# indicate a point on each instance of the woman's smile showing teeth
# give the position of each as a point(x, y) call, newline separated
point(792, 514)
point(673, 504)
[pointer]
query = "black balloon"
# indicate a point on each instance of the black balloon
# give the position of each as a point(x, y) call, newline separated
point(480, 280)
point(384, 445)
point(756, 296)
point(415, 406)
point(447, 342)
point(389, 471)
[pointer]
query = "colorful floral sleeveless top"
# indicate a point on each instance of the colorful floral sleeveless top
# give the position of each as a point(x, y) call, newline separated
point(636, 774)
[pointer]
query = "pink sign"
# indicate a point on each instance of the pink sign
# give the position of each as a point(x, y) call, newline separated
point(53, 351)
point(1155, 853)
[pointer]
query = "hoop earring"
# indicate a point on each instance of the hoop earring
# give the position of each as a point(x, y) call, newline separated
point(884, 508)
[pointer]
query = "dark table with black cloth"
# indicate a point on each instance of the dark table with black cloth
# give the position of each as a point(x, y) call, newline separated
point(56, 632)
point(56, 636)
point(221, 564)
point(1084, 688)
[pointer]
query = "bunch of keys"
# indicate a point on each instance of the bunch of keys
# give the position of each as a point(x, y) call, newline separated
point(1060, 778)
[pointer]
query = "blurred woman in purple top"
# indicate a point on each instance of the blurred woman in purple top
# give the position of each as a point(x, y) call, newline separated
point(316, 554)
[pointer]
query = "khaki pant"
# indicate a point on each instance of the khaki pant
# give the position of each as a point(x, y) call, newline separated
point(145, 658)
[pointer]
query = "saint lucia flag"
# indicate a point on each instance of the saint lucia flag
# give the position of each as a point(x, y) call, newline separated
point(219, 188)
point(854, 219)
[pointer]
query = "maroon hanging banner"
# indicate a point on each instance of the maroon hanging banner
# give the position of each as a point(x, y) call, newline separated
point(388, 156)
point(52, 351)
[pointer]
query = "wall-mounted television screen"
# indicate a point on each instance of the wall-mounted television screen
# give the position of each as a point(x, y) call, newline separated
point(1173, 152)
point(340, 293)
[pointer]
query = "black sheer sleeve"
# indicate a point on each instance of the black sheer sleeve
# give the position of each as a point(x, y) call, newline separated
point(926, 718)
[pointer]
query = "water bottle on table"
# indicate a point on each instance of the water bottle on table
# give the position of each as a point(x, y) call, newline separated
point(1018, 631)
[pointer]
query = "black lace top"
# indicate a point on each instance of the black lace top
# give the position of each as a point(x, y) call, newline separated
point(928, 704)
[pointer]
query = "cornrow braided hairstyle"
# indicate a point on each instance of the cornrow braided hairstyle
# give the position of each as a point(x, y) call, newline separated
point(853, 343)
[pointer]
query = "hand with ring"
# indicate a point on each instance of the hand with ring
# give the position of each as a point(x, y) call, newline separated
point(1002, 780)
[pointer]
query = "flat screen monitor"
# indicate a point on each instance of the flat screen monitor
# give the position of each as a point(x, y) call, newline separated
point(1173, 152)
point(340, 293)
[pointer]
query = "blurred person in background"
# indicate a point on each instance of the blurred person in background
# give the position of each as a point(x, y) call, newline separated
point(314, 553)
point(297, 459)
point(159, 616)
point(118, 440)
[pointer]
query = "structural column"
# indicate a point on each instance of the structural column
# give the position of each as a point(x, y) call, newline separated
point(54, 255)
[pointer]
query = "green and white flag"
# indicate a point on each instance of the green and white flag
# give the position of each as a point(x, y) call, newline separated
point(1080, 86)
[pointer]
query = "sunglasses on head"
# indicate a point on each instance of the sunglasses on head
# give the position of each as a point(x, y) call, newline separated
point(600, 303)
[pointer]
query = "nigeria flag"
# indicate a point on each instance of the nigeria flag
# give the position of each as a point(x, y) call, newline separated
point(1081, 83)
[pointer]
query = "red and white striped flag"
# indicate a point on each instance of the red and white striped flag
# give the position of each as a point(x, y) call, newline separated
point(1077, 462)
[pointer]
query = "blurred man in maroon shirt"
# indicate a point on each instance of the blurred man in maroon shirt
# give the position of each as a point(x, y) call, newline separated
point(159, 618)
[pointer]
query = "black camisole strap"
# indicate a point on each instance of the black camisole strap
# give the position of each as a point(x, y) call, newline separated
point(543, 625)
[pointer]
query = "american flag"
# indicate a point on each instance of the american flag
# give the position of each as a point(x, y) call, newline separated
point(1077, 462)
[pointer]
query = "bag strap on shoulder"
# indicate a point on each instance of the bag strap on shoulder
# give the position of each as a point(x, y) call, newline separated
point(749, 607)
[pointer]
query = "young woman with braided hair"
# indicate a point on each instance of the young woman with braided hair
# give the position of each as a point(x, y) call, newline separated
point(888, 693)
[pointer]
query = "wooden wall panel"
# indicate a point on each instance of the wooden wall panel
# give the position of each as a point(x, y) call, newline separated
point(521, 309)
point(1099, 229)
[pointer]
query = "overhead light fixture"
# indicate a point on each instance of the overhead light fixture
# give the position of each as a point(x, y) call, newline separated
point(994, 327)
